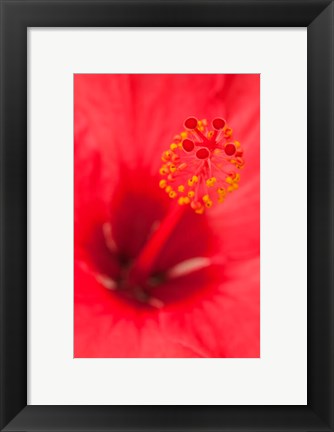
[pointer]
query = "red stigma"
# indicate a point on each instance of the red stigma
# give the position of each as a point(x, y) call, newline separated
point(229, 149)
point(202, 153)
point(218, 123)
point(188, 145)
point(191, 123)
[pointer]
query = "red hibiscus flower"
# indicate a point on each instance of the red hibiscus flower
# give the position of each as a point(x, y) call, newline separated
point(163, 266)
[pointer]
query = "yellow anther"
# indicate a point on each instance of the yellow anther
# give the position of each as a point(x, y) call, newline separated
point(190, 183)
point(183, 134)
point(235, 185)
point(168, 189)
point(195, 179)
point(172, 168)
point(211, 181)
point(237, 144)
point(230, 189)
point(221, 199)
point(237, 177)
point(180, 201)
point(167, 154)
point(228, 132)
point(229, 180)
point(186, 200)
point(191, 194)
point(162, 183)
point(172, 194)
point(208, 204)
point(210, 133)
point(173, 146)
point(200, 210)
point(206, 198)
point(221, 191)
point(163, 170)
point(180, 188)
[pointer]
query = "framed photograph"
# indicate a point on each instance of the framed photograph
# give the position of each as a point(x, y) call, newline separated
point(166, 216)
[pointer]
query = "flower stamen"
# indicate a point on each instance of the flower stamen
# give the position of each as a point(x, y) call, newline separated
point(202, 159)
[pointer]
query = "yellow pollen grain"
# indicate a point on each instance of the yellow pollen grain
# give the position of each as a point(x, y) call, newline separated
point(163, 170)
point(191, 194)
point(190, 183)
point(228, 132)
point(186, 200)
point(237, 144)
point(221, 199)
point(183, 134)
point(172, 194)
point(237, 177)
point(206, 198)
point(195, 179)
point(235, 186)
point(173, 146)
point(211, 181)
point(180, 201)
point(162, 183)
point(200, 210)
point(168, 189)
point(172, 168)
point(221, 191)
point(229, 180)
point(230, 189)
point(180, 188)
point(208, 204)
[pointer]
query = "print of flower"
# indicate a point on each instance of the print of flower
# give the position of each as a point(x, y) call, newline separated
point(153, 278)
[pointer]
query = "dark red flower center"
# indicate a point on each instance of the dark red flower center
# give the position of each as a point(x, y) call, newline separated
point(143, 252)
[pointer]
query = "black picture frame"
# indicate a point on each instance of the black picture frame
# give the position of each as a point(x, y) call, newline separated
point(16, 17)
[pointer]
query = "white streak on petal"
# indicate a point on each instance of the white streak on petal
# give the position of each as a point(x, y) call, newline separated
point(106, 281)
point(108, 238)
point(188, 266)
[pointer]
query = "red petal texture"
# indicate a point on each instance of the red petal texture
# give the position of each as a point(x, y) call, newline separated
point(122, 124)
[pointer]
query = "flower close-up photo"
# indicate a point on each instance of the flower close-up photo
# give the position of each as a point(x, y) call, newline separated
point(166, 215)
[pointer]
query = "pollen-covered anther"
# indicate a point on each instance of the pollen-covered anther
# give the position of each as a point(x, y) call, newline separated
point(211, 181)
point(163, 170)
point(202, 158)
point(162, 183)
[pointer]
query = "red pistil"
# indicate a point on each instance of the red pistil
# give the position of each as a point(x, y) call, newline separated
point(144, 263)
